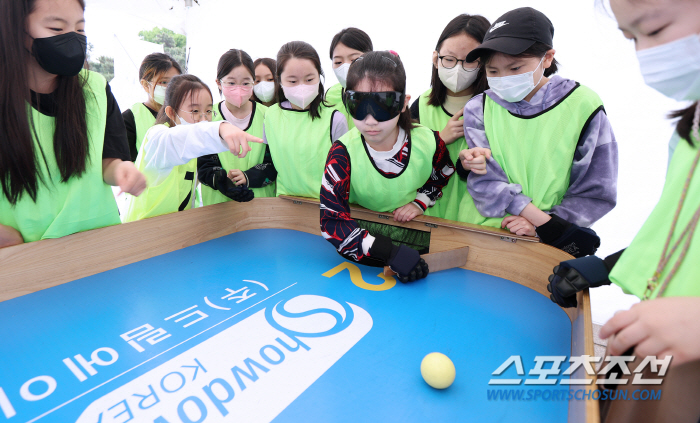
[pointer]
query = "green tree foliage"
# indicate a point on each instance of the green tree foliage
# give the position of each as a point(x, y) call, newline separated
point(104, 64)
point(173, 43)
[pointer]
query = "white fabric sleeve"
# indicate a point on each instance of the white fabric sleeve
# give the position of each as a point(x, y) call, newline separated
point(339, 126)
point(367, 244)
point(169, 147)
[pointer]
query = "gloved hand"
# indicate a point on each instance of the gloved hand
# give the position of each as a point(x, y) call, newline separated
point(226, 186)
point(575, 275)
point(570, 238)
point(407, 264)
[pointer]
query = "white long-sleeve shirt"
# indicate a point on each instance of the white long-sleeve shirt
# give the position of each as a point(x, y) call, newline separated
point(166, 147)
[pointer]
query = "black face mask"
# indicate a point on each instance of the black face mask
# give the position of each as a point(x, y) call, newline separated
point(61, 54)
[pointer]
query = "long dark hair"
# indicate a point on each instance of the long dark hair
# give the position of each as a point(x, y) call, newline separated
point(19, 164)
point(179, 88)
point(301, 50)
point(354, 38)
point(155, 65)
point(684, 126)
point(382, 67)
point(474, 26)
point(231, 60)
point(272, 65)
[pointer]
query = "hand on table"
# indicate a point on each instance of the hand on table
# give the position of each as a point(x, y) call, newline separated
point(659, 327)
point(518, 225)
point(10, 236)
point(407, 264)
point(407, 213)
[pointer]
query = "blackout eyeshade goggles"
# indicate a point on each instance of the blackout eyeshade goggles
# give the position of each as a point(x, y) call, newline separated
point(382, 106)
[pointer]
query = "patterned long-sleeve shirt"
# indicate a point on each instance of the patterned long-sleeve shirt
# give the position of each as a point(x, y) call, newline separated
point(336, 224)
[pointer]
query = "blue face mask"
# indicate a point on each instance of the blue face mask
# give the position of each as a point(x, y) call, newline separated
point(673, 69)
point(514, 88)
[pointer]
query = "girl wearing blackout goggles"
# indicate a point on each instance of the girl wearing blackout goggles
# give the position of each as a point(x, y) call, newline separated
point(397, 166)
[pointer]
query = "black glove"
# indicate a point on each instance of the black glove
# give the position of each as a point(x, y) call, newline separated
point(407, 264)
point(226, 186)
point(403, 260)
point(570, 238)
point(575, 275)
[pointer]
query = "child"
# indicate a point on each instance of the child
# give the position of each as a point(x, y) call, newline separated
point(661, 264)
point(299, 129)
point(347, 45)
point(234, 77)
point(453, 83)
point(396, 166)
point(169, 150)
point(554, 167)
point(156, 71)
point(265, 82)
point(62, 138)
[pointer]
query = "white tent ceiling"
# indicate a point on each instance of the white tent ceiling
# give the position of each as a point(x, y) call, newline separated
point(163, 13)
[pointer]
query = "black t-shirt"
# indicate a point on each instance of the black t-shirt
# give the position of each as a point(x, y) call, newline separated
point(115, 146)
point(130, 123)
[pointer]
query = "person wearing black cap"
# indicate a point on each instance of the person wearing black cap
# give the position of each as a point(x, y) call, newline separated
point(554, 166)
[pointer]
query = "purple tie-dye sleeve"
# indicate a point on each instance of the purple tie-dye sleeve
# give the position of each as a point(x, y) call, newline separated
point(493, 195)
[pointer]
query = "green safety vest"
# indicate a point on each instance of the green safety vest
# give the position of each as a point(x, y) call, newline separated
point(299, 147)
point(371, 189)
point(229, 161)
point(639, 261)
point(173, 194)
point(143, 117)
point(536, 151)
point(334, 97)
point(435, 118)
point(80, 204)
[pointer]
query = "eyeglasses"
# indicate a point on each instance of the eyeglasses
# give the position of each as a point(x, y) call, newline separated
point(448, 62)
point(208, 115)
point(382, 106)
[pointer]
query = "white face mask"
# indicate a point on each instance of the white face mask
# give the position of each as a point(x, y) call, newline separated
point(183, 122)
point(457, 79)
point(514, 88)
point(265, 90)
point(341, 72)
point(673, 69)
point(301, 95)
point(159, 94)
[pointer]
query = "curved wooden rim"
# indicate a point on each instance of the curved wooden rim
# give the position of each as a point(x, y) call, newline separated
point(43, 264)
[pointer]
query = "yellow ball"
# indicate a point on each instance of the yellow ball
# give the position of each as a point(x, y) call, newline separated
point(438, 370)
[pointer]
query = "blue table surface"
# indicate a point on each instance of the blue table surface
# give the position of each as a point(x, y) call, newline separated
point(362, 366)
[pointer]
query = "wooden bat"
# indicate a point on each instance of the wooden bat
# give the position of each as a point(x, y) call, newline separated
point(440, 261)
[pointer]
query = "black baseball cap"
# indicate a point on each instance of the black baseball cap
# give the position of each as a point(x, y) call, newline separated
point(515, 32)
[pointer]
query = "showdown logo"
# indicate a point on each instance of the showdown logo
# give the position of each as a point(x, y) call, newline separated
point(249, 372)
